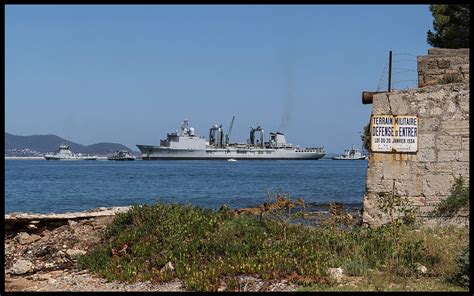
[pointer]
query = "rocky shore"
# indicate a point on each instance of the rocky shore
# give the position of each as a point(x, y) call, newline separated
point(41, 253)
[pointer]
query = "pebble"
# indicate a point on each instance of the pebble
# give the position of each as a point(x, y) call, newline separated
point(336, 273)
point(75, 252)
point(24, 238)
point(421, 269)
point(22, 266)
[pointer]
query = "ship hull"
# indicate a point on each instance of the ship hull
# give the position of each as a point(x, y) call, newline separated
point(121, 159)
point(160, 153)
point(59, 158)
point(357, 158)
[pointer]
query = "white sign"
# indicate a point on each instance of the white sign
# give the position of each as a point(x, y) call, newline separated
point(391, 133)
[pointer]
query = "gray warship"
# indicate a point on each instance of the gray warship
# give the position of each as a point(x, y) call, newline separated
point(188, 145)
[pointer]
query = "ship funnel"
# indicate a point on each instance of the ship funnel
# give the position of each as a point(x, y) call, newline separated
point(256, 142)
point(216, 135)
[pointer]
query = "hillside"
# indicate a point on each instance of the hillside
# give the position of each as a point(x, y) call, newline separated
point(36, 145)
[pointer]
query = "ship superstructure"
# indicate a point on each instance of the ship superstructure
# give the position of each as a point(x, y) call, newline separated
point(188, 145)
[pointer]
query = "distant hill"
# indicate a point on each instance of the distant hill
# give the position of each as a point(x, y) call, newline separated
point(36, 145)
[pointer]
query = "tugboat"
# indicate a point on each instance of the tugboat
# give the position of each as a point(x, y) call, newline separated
point(63, 153)
point(121, 155)
point(351, 154)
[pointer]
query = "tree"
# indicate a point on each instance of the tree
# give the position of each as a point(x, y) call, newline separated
point(451, 25)
point(365, 137)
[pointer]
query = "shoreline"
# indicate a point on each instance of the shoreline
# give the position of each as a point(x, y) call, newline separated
point(35, 223)
point(40, 158)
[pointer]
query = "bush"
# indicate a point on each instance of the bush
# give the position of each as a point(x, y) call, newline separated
point(457, 199)
point(461, 277)
point(206, 246)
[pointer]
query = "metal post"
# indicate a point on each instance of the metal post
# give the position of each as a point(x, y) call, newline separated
point(390, 71)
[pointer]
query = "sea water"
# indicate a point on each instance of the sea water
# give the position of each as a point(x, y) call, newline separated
point(41, 186)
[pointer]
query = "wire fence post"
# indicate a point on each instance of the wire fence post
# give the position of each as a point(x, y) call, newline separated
point(389, 70)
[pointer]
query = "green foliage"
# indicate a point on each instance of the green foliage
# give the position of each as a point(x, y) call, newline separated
point(451, 25)
point(398, 208)
point(457, 199)
point(206, 246)
point(365, 137)
point(461, 276)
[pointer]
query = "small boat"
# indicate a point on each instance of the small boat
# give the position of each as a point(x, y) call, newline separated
point(89, 157)
point(231, 159)
point(351, 154)
point(121, 155)
point(63, 153)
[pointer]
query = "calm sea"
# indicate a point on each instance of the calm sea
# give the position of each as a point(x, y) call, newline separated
point(41, 186)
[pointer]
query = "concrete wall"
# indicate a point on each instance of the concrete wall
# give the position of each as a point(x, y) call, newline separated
point(424, 177)
point(443, 65)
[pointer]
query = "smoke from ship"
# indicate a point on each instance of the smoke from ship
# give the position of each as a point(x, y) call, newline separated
point(290, 98)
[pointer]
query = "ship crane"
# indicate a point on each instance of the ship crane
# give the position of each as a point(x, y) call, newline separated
point(227, 136)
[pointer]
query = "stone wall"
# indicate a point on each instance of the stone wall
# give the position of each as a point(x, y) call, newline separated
point(443, 66)
point(424, 177)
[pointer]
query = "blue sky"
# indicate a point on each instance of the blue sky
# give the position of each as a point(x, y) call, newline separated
point(130, 74)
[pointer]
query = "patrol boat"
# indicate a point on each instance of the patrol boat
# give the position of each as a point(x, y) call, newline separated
point(63, 153)
point(121, 155)
point(351, 154)
point(188, 145)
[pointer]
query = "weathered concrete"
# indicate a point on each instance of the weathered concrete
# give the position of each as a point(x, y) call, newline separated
point(36, 223)
point(442, 66)
point(424, 177)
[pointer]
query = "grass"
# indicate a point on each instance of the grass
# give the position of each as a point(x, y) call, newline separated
point(206, 247)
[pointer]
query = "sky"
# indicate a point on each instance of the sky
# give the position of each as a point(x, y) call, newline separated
point(130, 74)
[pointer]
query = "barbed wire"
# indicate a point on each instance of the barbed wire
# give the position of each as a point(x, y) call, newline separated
point(384, 73)
point(404, 60)
point(404, 54)
point(406, 85)
point(404, 57)
point(403, 71)
point(406, 80)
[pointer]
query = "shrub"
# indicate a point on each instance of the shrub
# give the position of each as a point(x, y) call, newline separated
point(461, 276)
point(457, 199)
point(206, 246)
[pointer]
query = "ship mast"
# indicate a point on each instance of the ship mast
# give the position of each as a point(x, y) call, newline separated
point(227, 136)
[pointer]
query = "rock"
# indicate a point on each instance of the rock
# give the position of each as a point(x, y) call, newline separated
point(43, 277)
point(71, 223)
point(9, 249)
point(46, 250)
point(32, 226)
point(222, 287)
point(49, 265)
point(22, 266)
point(73, 253)
point(24, 238)
point(168, 267)
point(336, 273)
point(421, 269)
